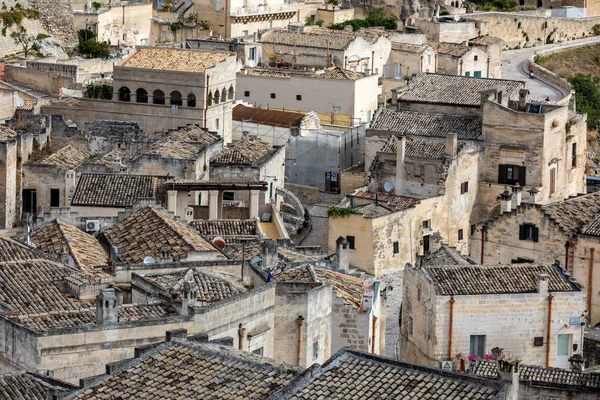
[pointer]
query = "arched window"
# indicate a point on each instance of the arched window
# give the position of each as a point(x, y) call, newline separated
point(217, 95)
point(224, 95)
point(176, 99)
point(230, 93)
point(210, 99)
point(159, 97)
point(191, 100)
point(124, 94)
point(141, 96)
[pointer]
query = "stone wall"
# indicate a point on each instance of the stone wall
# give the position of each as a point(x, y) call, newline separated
point(44, 81)
point(349, 181)
point(306, 194)
point(8, 167)
point(334, 16)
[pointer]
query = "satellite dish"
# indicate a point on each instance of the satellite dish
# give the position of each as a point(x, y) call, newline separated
point(388, 187)
point(148, 260)
point(457, 17)
point(219, 242)
point(255, 260)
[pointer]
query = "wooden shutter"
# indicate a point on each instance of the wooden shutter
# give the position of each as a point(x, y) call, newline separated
point(534, 233)
point(522, 232)
point(502, 174)
point(522, 174)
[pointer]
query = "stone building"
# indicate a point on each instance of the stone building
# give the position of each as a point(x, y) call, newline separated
point(565, 232)
point(524, 309)
point(8, 177)
point(104, 136)
point(407, 59)
point(457, 59)
point(164, 88)
point(330, 91)
point(22, 385)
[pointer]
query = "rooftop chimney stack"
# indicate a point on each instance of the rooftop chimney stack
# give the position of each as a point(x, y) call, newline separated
point(451, 145)
point(268, 253)
point(106, 307)
point(542, 284)
point(506, 201)
point(341, 254)
point(517, 192)
point(535, 196)
point(509, 371)
point(523, 99)
point(400, 170)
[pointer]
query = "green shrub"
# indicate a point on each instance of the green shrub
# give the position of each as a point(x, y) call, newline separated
point(587, 97)
point(94, 49)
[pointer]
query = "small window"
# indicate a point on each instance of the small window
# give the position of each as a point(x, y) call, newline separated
point(315, 349)
point(247, 93)
point(217, 123)
point(54, 197)
point(426, 224)
point(273, 96)
point(228, 195)
point(252, 55)
point(299, 97)
point(464, 187)
point(337, 110)
point(477, 74)
point(477, 345)
point(259, 351)
point(528, 232)
point(396, 248)
point(511, 174)
point(574, 155)
point(351, 242)
point(475, 58)
point(552, 181)
point(460, 234)
point(244, 33)
point(467, 73)
point(473, 229)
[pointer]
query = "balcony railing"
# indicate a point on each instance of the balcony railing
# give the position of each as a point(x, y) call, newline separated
point(258, 10)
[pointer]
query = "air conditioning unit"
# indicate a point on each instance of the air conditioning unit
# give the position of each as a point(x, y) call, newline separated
point(92, 226)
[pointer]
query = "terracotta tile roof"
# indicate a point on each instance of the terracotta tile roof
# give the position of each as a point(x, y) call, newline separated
point(573, 214)
point(444, 256)
point(373, 210)
point(144, 232)
point(211, 286)
point(184, 144)
point(540, 376)
point(484, 41)
point(269, 117)
point(193, 134)
point(328, 73)
point(7, 134)
point(389, 200)
point(334, 40)
point(194, 372)
point(353, 374)
point(113, 190)
point(421, 148)
point(58, 236)
point(290, 255)
point(12, 250)
point(348, 287)
point(409, 47)
point(113, 159)
point(67, 158)
point(410, 123)
point(454, 89)
point(593, 228)
point(36, 286)
point(225, 227)
point(167, 59)
point(244, 152)
point(27, 386)
point(496, 279)
point(452, 49)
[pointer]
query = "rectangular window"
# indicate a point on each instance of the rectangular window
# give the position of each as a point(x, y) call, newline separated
point(562, 348)
point(259, 351)
point(396, 248)
point(429, 59)
point(427, 224)
point(528, 232)
point(511, 174)
point(247, 93)
point(363, 68)
point(337, 110)
point(299, 97)
point(477, 74)
point(244, 33)
point(218, 5)
point(460, 234)
point(468, 73)
point(574, 155)
point(273, 96)
point(200, 199)
point(351, 241)
point(473, 229)
point(552, 181)
point(477, 345)
point(397, 71)
point(217, 123)
point(252, 55)
point(54, 197)
point(228, 195)
point(475, 58)
point(315, 349)
point(384, 71)
point(464, 187)
point(353, 69)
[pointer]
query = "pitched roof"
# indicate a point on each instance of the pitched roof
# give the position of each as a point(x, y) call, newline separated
point(373, 210)
point(58, 236)
point(225, 227)
point(540, 376)
point(496, 279)
point(269, 117)
point(194, 371)
point(12, 250)
point(593, 228)
point(167, 59)
point(211, 286)
point(484, 40)
point(144, 232)
point(390, 200)
point(573, 214)
point(452, 49)
point(113, 159)
point(421, 148)
point(113, 190)
point(184, 143)
point(334, 40)
point(348, 287)
point(327, 73)
point(409, 47)
point(454, 89)
point(244, 152)
point(407, 123)
point(7, 134)
point(29, 386)
point(445, 255)
point(352, 374)
point(67, 158)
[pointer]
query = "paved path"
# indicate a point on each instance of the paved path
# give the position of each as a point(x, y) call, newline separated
point(514, 67)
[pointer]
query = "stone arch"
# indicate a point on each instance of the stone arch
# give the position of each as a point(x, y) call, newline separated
point(141, 95)
point(210, 99)
point(217, 96)
point(224, 94)
point(124, 94)
point(159, 97)
point(230, 93)
point(176, 99)
point(191, 100)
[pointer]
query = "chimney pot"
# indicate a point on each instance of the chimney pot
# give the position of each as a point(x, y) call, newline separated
point(451, 149)
point(341, 253)
point(542, 284)
point(506, 201)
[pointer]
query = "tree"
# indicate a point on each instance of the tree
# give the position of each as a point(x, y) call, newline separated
point(95, 49)
point(587, 97)
point(86, 34)
point(24, 40)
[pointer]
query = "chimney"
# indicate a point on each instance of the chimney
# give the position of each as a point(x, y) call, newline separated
point(506, 201)
point(400, 170)
point(189, 296)
point(535, 196)
point(341, 254)
point(509, 371)
point(542, 284)
point(268, 253)
point(69, 186)
point(165, 254)
point(523, 99)
point(451, 145)
point(367, 72)
point(189, 214)
point(577, 362)
point(517, 192)
point(106, 307)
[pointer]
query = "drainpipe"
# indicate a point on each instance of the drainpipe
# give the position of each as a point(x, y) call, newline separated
point(451, 328)
point(590, 284)
point(373, 335)
point(299, 322)
point(567, 256)
point(206, 100)
point(241, 332)
point(549, 330)
point(482, 243)
point(373, 61)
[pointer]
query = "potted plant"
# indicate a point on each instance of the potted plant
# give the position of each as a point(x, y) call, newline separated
point(167, 6)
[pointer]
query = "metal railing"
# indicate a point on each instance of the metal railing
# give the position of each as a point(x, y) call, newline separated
point(257, 10)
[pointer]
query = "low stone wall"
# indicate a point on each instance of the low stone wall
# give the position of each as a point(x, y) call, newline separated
point(43, 81)
point(306, 194)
